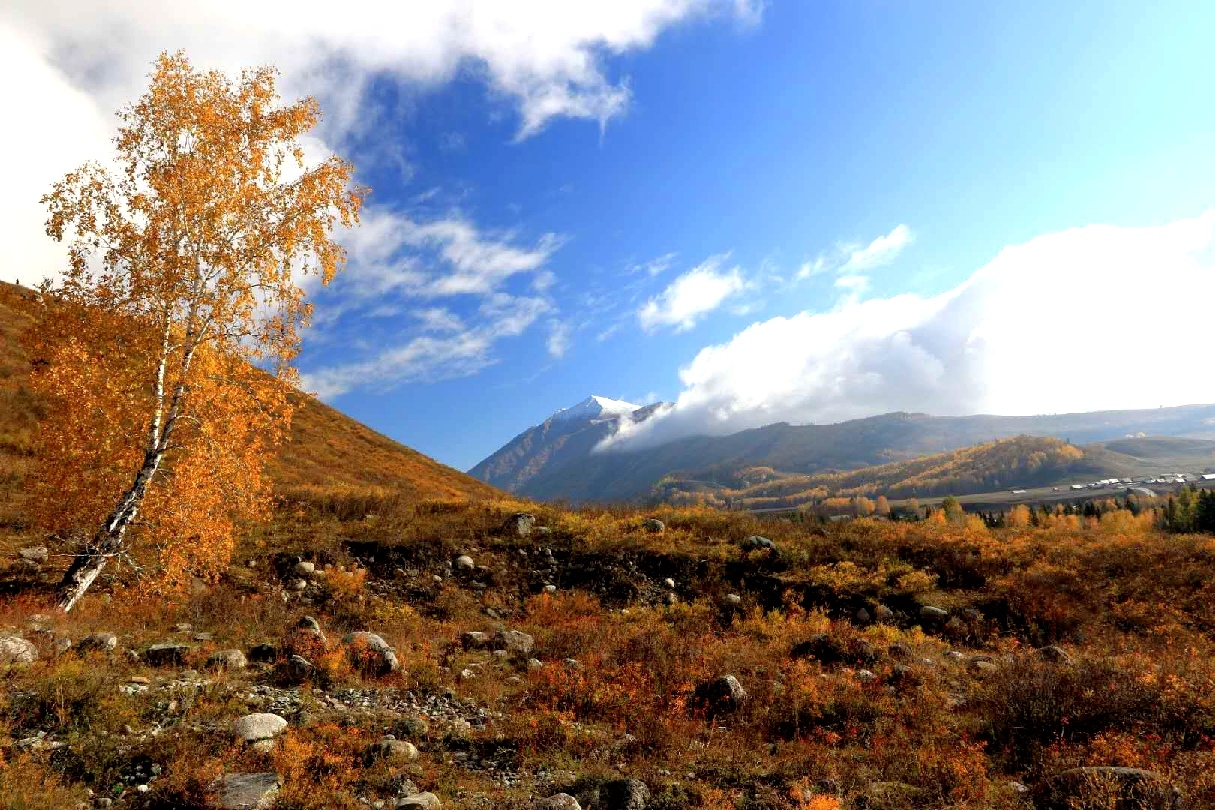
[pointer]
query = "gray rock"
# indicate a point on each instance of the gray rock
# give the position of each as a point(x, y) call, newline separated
point(515, 642)
point(62, 644)
point(883, 613)
point(227, 659)
point(733, 599)
point(654, 526)
point(535, 663)
point(305, 568)
point(561, 801)
point(933, 613)
point(308, 624)
point(755, 543)
point(863, 617)
point(169, 654)
point(260, 726)
point(474, 640)
point(1055, 654)
point(519, 524)
point(370, 653)
point(390, 748)
point(670, 583)
point(246, 791)
point(550, 588)
point(624, 794)
point(1134, 787)
point(35, 554)
point(426, 801)
point(298, 585)
point(719, 696)
point(465, 563)
point(16, 650)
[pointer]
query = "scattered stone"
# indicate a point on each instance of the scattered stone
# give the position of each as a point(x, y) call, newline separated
point(550, 588)
point(863, 617)
point(519, 524)
point(899, 650)
point(654, 526)
point(932, 613)
point(733, 599)
point(16, 650)
point(305, 568)
point(62, 645)
point(1055, 654)
point(670, 583)
point(981, 667)
point(390, 748)
point(299, 668)
point(182, 627)
point(467, 674)
point(203, 637)
point(1019, 788)
point(1135, 788)
point(624, 794)
point(561, 801)
point(260, 726)
point(865, 676)
point(35, 554)
point(474, 640)
point(719, 696)
point(535, 663)
point(310, 625)
point(227, 659)
point(515, 642)
point(465, 563)
point(263, 653)
point(139, 680)
point(246, 791)
point(370, 653)
point(755, 543)
point(501, 654)
point(955, 627)
point(954, 655)
point(170, 654)
point(883, 614)
point(426, 801)
point(298, 585)
point(971, 614)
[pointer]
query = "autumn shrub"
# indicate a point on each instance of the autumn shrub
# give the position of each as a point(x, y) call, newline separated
point(26, 783)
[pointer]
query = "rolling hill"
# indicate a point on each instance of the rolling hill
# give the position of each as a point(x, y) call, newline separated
point(325, 447)
point(556, 460)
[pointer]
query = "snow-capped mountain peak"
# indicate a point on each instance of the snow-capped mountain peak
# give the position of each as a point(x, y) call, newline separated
point(596, 408)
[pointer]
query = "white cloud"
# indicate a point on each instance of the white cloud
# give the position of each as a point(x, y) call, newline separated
point(559, 335)
point(880, 252)
point(72, 63)
point(1092, 318)
point(692, 296)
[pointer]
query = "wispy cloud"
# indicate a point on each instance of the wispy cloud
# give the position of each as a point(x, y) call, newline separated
point(851, 262)
point(559, 338)
point(692, 296)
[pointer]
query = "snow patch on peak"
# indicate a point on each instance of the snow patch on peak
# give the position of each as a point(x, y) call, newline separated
point(596, 408)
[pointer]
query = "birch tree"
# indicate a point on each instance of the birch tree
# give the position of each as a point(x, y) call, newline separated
point(165, 351)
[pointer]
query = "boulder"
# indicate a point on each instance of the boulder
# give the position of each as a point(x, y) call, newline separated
point(654, 526)
point(246, 791)
point(260, 726)
point(624, 794)
point(227, 659)
point(515, 642)
point(756, 543)
point(389, 747)
point(371, 654)
point(719, 696)
point(15, 650)
point(169, 654)
point(1055, 654)
point(35, 554)
point(98, 642)
point(862, 617)
point(519, 524)
point(1134, 789)
point(425, 801)
point(465, 563)
point(932, 613)
point(561, 801)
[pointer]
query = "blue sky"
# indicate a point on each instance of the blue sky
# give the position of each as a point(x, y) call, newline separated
point(723, 202)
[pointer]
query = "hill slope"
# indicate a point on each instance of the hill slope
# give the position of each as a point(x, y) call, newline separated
point(325, 447)
point(544, 464)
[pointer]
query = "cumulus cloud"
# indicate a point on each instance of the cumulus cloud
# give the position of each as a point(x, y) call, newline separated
point(71, 64)
point(691, 296)
point(1092, 318)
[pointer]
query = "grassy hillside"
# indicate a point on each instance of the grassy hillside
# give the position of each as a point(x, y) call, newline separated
point(1024, 462)
point(325, 448)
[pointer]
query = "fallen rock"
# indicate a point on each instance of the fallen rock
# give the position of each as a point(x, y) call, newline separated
point(474, 640)
point(298, 585)
point(561, 801)
point(170, 654)
point(883, 614)
point(519, 524)
point(670, 583)
point(624, 794)
point(227, 659)
point(389, 747)
point(719, 696)
point(1135, 789)
point(246, 791)
point(755, 543)
point(863, 617)
point(733, 599)
point(304, 568)
point(371, 654)
point(35, 554)
point(260, 726)
point(426, 801)
point(1055, 654)
point(932, 613)
point(654, 526)
point(465, 563)
point(515, 642)
point(16, 650)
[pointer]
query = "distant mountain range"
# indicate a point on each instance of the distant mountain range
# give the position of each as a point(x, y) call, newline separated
point(555, 460)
